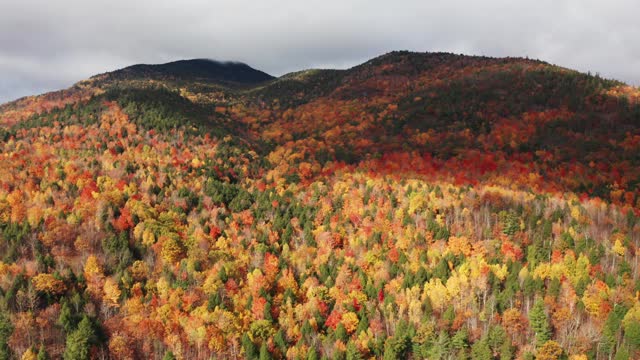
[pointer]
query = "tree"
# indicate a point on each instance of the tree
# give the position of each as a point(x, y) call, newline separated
point(47, 283)
point(481, 350)
point(79, 342)
point(312, 354)
point(622, 354)
point(6, 329)
point(66, 318)
point(250, 351)
point(264, 352)
point(172, 249)
point(539, 323)
point(631, 325)
point(111, 293)
point(42, 353)
point(29, 355)
point(551, 350)
point(352, 351)
point(632, 333)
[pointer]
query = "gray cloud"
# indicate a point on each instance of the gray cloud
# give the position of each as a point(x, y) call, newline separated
point(47, 45)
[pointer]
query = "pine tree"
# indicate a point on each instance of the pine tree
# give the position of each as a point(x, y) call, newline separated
point(622, 354)
point(168, 356)
point(481, 351)
point(6, 329)
point(249, 347)
point(459, 339)
point(66, 319)
point(341, 333)
point(279, 340)
point(79, 342)
point(352, 351)
point(539, 323)
point(506, 350)
point(312, 355)
point(42, 353)
point(632, 333)
point(264, 352)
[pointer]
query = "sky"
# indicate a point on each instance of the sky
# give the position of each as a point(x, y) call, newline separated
point(47, 45)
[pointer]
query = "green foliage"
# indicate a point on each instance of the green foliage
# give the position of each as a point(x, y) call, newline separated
point(6, 329)
point(352, 352)
point(622, 354)
point(511, 223)
point(632, 333)
point(250, 350)
point(13, 240)
point(161, 109)
point(481, 350)
point(539, 322)
point(341, 333)
point(312, 355)
point(398, 346)
point(42, 353)
point(231, 195)
point(264, 352)
point(460, 339)
point(67, 319)
point(79, 341)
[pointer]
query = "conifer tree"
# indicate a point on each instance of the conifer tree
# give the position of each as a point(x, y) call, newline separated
point(6, 329)
point(539, 323)
point(79, 342)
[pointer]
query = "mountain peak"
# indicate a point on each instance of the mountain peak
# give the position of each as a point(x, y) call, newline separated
point(207, 70)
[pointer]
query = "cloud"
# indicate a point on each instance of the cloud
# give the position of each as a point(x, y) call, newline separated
point(46, 45)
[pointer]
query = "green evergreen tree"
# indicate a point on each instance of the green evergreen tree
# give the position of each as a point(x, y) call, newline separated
point(66, 318)
point(441, 346)
point(79, 341)
point(622, 354)
point(496, 338)
point(352, 351)
point(168, 356)
point(459, 339)
point(632, 333)
point(250, 351)
point(264, 352)
point(341, 333)
point(312, 354)
point(280, 341)
point(539, 323)
point(6, 329)
point(507, 350)
point(42, 353)
point(481, 351)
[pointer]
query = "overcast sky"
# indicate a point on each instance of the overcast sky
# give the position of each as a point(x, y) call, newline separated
point(50, 44)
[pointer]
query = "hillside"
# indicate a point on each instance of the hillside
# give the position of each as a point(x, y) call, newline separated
point(196, 70)
point(419, 205)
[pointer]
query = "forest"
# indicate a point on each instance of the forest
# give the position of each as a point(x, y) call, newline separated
point(416, 206)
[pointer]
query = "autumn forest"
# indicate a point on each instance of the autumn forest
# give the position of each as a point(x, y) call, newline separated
point(416, 206)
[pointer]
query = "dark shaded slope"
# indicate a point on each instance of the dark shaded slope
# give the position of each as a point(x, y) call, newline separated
point(227, 73)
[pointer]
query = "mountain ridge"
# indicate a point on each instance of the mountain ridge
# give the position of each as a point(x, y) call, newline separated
point(261, 78)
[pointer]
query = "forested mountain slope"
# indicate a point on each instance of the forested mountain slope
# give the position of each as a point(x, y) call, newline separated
point(419, 205)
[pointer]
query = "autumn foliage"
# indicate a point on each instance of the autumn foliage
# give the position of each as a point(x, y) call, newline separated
point(415, 206)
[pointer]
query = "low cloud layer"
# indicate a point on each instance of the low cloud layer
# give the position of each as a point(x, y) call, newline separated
point(47, 45)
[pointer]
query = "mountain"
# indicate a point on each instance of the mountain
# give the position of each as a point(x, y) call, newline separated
point(418, 205)
point(203, 70)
